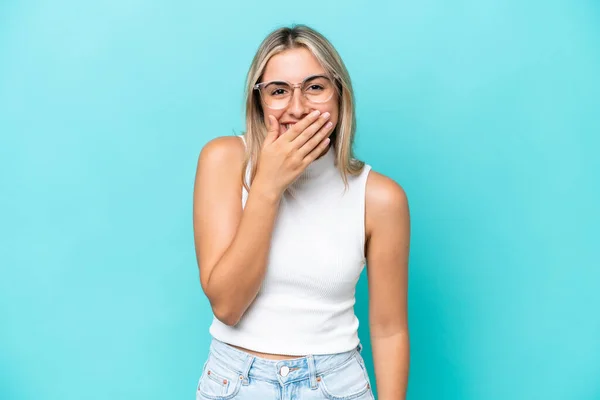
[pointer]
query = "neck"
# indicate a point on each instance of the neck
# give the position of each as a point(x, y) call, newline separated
point(324, 163)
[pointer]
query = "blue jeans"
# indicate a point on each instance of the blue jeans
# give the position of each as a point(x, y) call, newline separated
point(230, 373)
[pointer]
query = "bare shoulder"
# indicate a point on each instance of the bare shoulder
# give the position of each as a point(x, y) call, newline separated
point(222, 151)
point(217, 206)
point(383, 194)
point(218, 172)
point(386, 202)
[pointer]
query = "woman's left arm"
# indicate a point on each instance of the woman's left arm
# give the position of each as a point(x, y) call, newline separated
point(387, 249)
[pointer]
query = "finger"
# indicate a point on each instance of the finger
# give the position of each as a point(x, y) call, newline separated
point(315, 139)
point(311, 131)
point(272, 129)
point(300, 126)
point(316, 152)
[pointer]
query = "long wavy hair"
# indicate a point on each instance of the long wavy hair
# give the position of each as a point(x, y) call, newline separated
point(342, 138)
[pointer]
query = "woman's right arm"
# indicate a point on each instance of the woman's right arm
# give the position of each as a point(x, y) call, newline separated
point(232, 244)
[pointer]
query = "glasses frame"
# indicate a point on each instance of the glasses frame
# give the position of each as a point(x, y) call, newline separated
point(299, 85)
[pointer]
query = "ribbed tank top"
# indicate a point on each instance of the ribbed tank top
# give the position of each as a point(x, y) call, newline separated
point(305, 304)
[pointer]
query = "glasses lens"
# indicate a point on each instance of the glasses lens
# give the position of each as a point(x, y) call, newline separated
point(276, 94)
point(318, 89)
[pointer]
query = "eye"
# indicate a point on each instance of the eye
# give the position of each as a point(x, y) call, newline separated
point(278, 92)
point(315, 88)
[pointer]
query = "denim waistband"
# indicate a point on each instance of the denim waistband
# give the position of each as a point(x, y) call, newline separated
point(250, 366)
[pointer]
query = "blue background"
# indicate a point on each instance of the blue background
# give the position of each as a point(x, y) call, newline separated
point(486, 112)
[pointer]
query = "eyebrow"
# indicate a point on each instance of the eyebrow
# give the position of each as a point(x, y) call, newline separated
point(321, 75)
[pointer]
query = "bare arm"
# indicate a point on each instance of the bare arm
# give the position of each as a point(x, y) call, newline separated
point(388, 226)
point(231, 245)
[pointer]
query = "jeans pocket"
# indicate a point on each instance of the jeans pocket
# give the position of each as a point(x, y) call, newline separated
point(346, 381)
point(218, 382)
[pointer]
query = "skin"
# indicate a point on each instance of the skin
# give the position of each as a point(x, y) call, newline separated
point(293, 66)
point(387, 227)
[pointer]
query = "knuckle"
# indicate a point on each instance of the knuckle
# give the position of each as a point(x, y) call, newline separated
point(289, 151)
point(305, 162)
point(297, 160)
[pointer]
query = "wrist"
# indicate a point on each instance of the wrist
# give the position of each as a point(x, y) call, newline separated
point(266, 192)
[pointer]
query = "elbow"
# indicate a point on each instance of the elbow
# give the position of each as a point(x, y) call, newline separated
point(227, 315)
point(224, 310)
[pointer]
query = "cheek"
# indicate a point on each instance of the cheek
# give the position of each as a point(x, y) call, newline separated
point(332, 109)
point(276, 113)
point(335, 112)
point(335, 117)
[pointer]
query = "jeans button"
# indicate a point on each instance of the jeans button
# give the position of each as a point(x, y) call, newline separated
point(284, 371)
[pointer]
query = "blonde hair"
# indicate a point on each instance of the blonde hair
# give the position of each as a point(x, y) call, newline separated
point(342, 138)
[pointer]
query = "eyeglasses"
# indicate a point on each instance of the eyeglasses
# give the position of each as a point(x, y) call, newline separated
point(277, 94)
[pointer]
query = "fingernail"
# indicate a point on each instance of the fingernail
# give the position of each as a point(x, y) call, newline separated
point(329, 125)
point(316, 113)
point(326, 115)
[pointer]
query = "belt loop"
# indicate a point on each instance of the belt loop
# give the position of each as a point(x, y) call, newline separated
point(247, 365)
point(312, 371)
point(359, 347)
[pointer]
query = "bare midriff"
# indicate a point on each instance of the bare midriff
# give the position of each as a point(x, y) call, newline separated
point(266, 355)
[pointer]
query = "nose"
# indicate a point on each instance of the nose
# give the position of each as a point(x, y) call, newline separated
point(297, 107)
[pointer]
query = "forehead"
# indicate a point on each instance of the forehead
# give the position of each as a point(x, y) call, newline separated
point(292, 65)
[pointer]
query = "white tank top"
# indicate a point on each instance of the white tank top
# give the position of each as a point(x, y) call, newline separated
point(305, 304)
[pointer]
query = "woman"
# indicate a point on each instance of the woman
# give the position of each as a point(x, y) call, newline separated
point(284, 220)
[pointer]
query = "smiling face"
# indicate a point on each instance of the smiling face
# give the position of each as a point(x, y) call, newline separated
point(294, 65)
